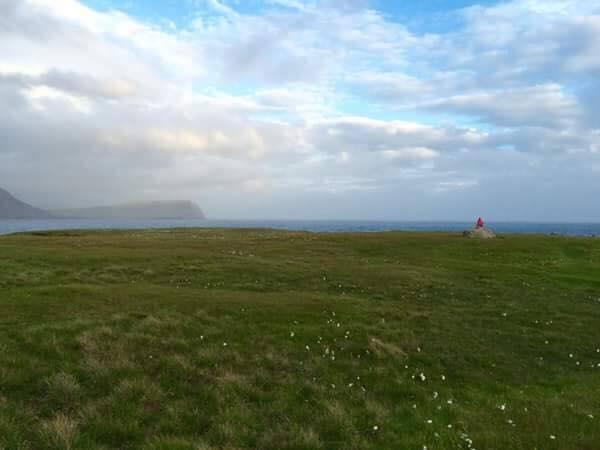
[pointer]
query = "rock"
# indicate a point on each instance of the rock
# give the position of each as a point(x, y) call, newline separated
point(480, 233)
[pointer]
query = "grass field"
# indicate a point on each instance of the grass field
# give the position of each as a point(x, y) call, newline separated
point(231, 339)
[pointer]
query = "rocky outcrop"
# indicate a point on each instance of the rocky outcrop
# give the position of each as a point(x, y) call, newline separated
point(480, 233)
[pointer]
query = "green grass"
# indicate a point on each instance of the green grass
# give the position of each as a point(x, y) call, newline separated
point(225, 339)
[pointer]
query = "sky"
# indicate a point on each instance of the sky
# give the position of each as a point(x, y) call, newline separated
point(305, 109)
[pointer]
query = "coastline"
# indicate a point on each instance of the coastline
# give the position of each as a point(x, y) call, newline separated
point(10, 226)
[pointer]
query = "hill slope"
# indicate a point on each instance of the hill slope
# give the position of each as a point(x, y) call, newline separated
point(149, 210)
point(13, 208)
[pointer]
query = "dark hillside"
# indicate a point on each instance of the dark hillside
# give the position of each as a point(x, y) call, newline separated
point(13, 208)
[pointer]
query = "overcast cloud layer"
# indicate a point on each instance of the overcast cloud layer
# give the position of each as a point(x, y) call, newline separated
point(306, 109)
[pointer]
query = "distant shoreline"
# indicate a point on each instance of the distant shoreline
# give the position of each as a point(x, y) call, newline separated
point(9, 226)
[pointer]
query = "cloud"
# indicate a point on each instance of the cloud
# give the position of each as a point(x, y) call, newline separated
point(531, 39)
point(540, 105)
point(391, 86)
point(303, 108)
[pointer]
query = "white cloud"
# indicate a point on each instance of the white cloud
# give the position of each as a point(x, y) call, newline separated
point(418, 153)
point(300, 101)
point(538, 105)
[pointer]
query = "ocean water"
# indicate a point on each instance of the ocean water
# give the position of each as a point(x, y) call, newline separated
point(567, 229)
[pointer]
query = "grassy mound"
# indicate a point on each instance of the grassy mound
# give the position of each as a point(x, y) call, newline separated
point(207, 339)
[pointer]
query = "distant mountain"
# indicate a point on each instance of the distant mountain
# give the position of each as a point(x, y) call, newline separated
point(13, 208)
point(136, 211)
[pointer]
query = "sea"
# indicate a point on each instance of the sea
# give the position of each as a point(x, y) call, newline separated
point(564, 229)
